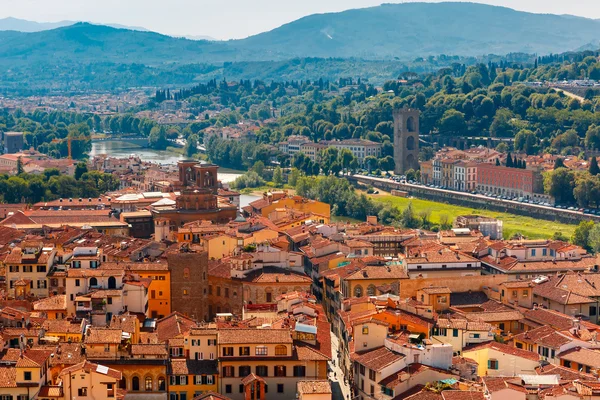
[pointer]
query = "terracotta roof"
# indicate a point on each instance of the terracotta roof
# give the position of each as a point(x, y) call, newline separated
point(503, 348)
point(379, 272)
point(513, 265)
point(173, 325)
point(566, 374)
point(555, 319)
point(97, 335)
point(408, 372)
point(462, 395)
point(89, 367)
point(30, 358)
point(148, 350)
point(51, 303)
point(67, 354)
point(581, 356)
point(62, 326)
point(544, 335)
point(50, 391)
point(260, 336)
point(313, 387)
point(561, 293)
point(125, 322)
point(378, 358)
point(463, 324)
point(495, 316)
point(495, 384)
point(8, 377)
point(211, 396)
point(436, 290)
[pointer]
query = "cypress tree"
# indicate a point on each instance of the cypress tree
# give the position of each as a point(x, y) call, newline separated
point(509, 161)
point(559, 163)
point(497, 162)
point(594, 169)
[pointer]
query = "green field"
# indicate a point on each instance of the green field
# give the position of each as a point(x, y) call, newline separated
point(529, 227)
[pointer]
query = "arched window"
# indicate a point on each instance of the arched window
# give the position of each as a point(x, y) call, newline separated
point(161, 383)
point(410, 124)
point(112, 284)
point(280, 350)
point(358, 291)
point(93, 281)
point(135, 384)
point(148, 384)
point(186, 273)
point(371, 290)
point(410, 143)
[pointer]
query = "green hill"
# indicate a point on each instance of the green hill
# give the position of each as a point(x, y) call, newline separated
point(389, 31)
point(420, 29)
point(83, 42)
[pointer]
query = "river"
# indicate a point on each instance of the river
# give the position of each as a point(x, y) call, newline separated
point(122, 149)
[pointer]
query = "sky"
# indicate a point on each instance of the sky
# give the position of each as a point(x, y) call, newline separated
point(230, 19)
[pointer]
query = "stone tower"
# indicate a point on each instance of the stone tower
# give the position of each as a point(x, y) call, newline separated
point(406, 139)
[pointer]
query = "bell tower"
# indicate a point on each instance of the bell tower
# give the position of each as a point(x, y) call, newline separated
point(406, 139)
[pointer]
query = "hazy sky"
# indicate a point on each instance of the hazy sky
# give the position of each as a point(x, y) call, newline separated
point(226, 19)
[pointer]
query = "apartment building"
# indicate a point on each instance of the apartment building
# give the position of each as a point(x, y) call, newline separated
point(27, 265)
point(270, 360)
point(360, 148)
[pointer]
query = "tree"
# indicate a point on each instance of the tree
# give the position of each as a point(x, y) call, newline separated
point(20, 169)
point(594, 238)
point(497, 162)
point(559, 163)
point(191, 145)
point(408, 217)
point(278, 177)
point(371, 162)
point(387, 163)
point(592, 137)
point(259, 168)
point(509, 161)
point(453, 123)
point(501, 126)
point(80, 169)
point(586, 190)
point(345, 158)
point(525, 141)
point(158, 138)
point(294, 175)
point(582, 234)
point(560, 184)
point(593, 169)
point(560, 236)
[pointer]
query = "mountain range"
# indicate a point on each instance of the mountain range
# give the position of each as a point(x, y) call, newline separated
point(22, 25)
point(390, 31)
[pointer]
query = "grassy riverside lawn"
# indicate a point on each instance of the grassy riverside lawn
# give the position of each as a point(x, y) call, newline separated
point(531, 228)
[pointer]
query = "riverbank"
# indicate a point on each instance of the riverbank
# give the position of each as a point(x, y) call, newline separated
point(527, 226)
